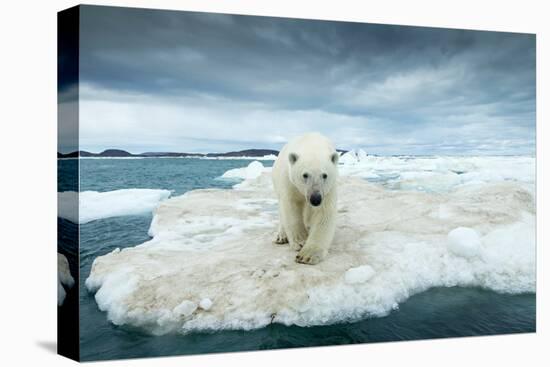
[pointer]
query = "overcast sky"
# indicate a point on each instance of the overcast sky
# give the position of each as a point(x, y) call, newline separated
point(200, 82)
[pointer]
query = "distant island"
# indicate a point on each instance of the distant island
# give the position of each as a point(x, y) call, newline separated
point(118, 153)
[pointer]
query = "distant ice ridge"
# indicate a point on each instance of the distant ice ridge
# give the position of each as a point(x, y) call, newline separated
point(95, 205)
point(438, 173)
point(390, 244)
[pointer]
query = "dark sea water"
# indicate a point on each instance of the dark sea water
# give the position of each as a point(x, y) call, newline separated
point(436, 313)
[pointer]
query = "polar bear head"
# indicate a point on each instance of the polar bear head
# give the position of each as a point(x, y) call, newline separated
point(314, 176)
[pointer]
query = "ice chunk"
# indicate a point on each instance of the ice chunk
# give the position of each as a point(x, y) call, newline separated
point(186, 308)
point(219, 242)
point(112, 289)
point(95, 205)
point(63, 271)
point(205, 304)
point(360, 274)
point(250, 172)
point(348, 158)
point(64, 278)
point(353, 157)
point(464, 242)
point(361, 155)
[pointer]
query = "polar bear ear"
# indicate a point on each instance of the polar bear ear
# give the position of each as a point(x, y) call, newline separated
point(334, 157)
point(292, 158)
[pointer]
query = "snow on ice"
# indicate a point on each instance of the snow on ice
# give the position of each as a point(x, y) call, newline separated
point(443, 221)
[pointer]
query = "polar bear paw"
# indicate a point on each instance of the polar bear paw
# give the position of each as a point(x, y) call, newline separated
point(281, 238)
point(297, 244)
point(310, 255)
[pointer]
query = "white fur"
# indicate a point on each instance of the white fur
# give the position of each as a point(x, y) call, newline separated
point(308, 229)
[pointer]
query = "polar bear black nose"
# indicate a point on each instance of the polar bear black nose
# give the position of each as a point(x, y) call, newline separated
point(315, 199)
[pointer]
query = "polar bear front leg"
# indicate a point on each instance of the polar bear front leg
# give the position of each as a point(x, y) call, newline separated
point(321, 234)
point(281, 238)
point(293, 224)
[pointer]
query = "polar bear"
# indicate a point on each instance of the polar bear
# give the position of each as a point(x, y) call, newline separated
point(304, 177)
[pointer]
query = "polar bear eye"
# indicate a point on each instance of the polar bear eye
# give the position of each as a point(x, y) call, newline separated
point(324, 176)
point(305, 176)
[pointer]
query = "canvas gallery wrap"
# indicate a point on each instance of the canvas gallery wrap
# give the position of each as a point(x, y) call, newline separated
point(240, 183)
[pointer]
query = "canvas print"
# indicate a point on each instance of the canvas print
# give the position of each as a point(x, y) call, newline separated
point(240, 183)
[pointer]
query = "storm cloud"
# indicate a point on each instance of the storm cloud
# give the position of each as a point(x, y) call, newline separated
point(154, 80)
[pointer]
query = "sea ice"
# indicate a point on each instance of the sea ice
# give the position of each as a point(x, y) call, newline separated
point(439, 173)
point(250, 172)
point(64, 278)
point(205, 304)
point(95, 205)
point(360, 274)
point(361, 155)
point(186, 308)
point(348, 158)
point(464, 242)
point(389, 245)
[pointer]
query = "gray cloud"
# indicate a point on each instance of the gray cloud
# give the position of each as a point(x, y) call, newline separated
point(157, 80)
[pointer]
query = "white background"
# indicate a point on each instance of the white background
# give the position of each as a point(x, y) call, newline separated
point(28, 182)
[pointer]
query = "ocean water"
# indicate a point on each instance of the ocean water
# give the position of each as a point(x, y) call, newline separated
point(436, 313)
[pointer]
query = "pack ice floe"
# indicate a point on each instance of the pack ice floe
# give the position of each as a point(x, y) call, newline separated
point(211, 263)
point(94, 205)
